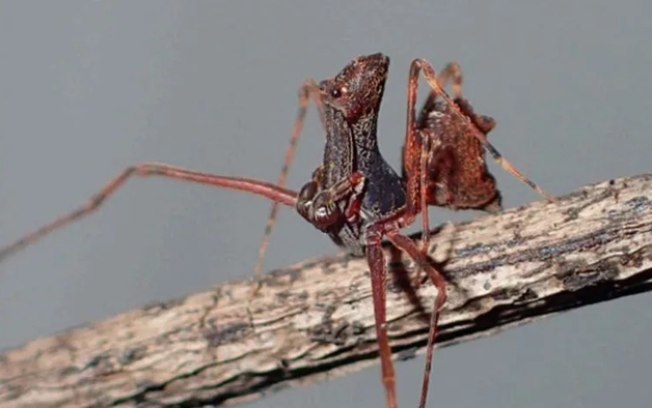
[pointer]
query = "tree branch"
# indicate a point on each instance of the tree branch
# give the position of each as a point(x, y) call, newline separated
point(315, 320)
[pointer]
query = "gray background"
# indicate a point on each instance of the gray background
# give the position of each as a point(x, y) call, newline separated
point(88, 88)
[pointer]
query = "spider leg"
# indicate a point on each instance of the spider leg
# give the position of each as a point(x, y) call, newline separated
point(268, 190)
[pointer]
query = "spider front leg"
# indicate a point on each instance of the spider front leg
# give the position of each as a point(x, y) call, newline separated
point(405, 244)
point(325, 207)
point(270, 191)
point(378, 270)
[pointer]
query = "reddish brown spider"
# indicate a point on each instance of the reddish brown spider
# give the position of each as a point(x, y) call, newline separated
point(354, 195)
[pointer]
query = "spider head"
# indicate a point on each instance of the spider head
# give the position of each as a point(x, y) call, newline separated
point(358, 89)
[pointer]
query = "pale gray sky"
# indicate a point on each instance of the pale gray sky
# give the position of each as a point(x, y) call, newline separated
point(87, 88)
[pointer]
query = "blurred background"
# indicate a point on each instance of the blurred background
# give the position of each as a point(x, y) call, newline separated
point(87, 88)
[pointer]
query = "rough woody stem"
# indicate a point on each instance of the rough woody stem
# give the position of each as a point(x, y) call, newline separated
point(315, 320)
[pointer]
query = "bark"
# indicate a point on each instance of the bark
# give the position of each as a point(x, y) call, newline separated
point(314, 320)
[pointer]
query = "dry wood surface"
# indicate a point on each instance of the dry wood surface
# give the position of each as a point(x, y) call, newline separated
point(314, 320)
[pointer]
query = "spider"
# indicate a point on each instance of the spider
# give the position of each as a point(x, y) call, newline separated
point(355, 196)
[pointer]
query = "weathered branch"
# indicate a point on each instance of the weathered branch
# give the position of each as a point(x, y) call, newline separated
point(315, 319)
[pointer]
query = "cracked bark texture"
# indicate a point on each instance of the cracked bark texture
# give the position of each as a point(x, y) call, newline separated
point(315, 320)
